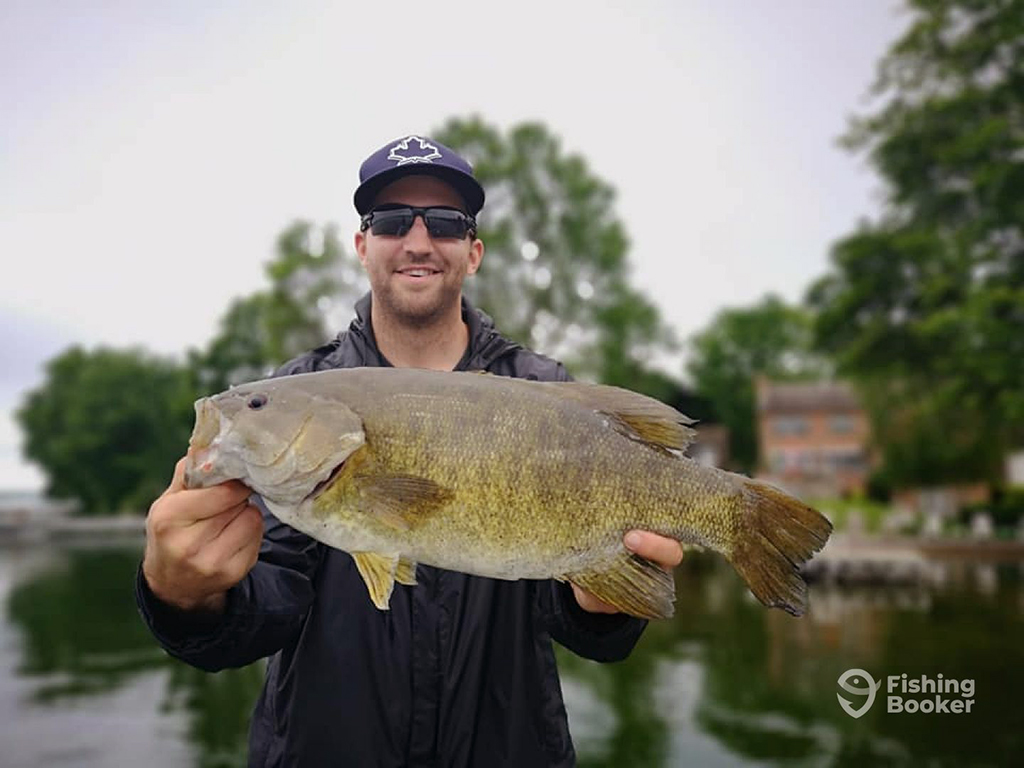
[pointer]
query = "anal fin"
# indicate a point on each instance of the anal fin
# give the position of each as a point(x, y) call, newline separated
point(632, 584)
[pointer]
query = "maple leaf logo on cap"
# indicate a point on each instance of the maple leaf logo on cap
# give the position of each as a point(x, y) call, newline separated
point(431, 152)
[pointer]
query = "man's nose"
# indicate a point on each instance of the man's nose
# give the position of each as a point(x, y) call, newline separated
point(417, 239)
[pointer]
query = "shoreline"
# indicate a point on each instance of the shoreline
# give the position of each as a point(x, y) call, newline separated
point(45, 528)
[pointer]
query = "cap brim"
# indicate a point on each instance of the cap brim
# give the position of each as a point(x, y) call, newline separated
point(467, 187)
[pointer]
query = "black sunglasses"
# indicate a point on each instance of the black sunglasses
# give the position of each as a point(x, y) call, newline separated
point(440, 222)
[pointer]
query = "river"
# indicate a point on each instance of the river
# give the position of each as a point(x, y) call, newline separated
point(724, 683)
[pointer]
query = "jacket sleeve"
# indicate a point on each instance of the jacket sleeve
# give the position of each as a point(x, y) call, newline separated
point(263, 612)
point(597, 636)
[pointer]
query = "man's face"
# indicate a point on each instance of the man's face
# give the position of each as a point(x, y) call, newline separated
point(415, 278)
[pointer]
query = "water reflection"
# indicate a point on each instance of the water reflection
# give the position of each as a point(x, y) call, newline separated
point(219, 706)
point(731, 683)
point(726, 682)
point(80, 637)
point(80, 633)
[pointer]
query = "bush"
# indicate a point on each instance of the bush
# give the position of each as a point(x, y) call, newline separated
point(1006, 508)
point(879, 487)
point(107, 425)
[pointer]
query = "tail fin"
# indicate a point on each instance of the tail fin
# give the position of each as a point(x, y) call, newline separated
point(778, 533)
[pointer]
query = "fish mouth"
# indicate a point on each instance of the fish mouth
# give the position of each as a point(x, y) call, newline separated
point(204, 447)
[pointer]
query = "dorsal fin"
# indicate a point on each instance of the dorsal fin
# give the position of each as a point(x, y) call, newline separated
point(636, 416)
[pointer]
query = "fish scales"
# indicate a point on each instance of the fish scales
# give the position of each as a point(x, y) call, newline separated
point(547, 462)
point(499, 477)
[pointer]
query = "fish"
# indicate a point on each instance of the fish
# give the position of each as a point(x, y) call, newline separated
point(498, 477)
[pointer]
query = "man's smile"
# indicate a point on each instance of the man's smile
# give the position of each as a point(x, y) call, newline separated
point(418, 272)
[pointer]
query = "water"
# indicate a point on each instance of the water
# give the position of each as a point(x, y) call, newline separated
point(725, 683)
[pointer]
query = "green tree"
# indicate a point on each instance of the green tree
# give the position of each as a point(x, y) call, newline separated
point(769, 339)
point(925, 306)
point(555, 274)
point(310, 274)
point(107, 426)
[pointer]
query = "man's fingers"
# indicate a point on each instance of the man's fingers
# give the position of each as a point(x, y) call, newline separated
point(666, 552)
point(245, 556)
point(590, 602)
point(245, 530)
point(214, 526)
point(205, 503)
point(190, 507)
point(178, 479)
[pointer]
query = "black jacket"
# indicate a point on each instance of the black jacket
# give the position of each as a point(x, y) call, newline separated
point(459, 672)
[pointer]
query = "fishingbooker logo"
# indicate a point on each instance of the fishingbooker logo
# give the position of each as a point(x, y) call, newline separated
point(857, 676)
point(905, 694)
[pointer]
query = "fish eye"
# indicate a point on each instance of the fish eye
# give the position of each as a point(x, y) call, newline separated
point(256, 402)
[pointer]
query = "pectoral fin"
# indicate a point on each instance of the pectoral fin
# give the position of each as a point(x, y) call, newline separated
point(632, 584)
point(378, 571)
point(402, 500)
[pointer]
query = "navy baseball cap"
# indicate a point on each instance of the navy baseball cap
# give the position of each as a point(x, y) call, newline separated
point(417, 155)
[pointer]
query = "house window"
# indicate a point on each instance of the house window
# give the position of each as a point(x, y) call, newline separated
point(841, 424)
point(789, 425)
point(848, 460)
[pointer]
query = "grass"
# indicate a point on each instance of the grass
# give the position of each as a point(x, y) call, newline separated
point(839, 510)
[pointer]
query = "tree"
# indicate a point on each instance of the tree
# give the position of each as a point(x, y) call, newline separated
point(925, 306)
point(571, 297)
point(310, 274)
point(771, 339)
point(555, 272)
point(107, 426)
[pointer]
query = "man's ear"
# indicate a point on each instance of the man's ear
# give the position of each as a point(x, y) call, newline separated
point(360, 243)
point(476, 255)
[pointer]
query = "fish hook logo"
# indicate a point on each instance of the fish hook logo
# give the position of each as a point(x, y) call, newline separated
point(431, 152)
point(869, 691)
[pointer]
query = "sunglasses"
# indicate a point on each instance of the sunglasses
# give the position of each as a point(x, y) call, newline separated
point(440, 222)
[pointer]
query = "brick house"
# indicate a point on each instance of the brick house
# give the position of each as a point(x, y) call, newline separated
point(813, 437)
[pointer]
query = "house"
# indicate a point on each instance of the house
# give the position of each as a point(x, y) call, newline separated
point(813, 437)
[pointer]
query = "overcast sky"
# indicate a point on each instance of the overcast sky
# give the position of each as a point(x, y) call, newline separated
point(151, 152)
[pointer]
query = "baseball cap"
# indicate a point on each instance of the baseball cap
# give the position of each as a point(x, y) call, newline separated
point(416, 155)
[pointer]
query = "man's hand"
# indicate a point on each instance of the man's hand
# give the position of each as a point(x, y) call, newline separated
point(665, 552)
point(200, 542)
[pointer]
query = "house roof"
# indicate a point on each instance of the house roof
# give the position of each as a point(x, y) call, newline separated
point(804, 397)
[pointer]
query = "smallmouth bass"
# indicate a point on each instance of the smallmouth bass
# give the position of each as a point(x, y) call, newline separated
point(498, 477)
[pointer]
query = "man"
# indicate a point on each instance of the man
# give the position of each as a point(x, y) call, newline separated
point(460, 671)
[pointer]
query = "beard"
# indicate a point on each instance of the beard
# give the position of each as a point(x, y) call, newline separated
point(418, 310)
